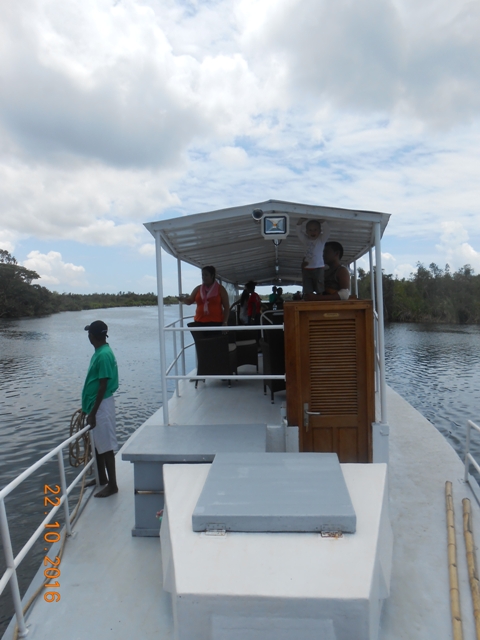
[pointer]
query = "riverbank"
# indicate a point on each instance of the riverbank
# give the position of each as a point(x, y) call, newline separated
point(51, 302)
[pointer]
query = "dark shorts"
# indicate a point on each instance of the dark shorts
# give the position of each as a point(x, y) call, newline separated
point(312, 280)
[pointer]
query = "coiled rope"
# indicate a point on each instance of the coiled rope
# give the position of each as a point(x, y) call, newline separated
point(77, 458)
point(79, 454)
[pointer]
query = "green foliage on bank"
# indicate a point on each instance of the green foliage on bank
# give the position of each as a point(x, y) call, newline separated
point(20, 298)
point(429, 295)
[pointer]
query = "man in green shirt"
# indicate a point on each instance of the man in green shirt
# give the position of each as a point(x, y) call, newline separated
point(99, 406)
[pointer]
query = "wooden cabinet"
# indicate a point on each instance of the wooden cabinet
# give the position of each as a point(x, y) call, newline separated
point(330, 365)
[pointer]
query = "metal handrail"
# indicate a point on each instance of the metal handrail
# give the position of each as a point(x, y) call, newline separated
point(469, 459)
point(171, 324)
point(177, 357)
point(230, 376)
point(185, 376)
point(230, 327)
point(11, 561)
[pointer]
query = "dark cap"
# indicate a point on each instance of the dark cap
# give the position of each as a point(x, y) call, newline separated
point(97, 328)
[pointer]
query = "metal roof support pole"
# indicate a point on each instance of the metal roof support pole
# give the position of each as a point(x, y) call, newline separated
point(375, 323)
point(372, 283)
point(381, 334)
point(355, 277)
point(161, 327)
point(182, 335)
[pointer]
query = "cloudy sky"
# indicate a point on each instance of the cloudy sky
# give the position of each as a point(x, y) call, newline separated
point(117, 112)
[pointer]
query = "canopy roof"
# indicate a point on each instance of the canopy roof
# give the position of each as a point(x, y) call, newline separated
point(231, 240)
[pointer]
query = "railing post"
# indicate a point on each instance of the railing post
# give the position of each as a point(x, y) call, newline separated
point(380, 333)
point(10, 562)
point(161, 327)
point(467, 451)
point(375, 322)
point(176, 362)
point(182, 337)
point(372, 280)
point(63, 484)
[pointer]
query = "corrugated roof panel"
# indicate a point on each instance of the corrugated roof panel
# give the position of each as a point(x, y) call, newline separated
point(231, 240)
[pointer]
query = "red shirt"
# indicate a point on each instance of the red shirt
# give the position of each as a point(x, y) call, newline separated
point(215, 309)
point(254, 305)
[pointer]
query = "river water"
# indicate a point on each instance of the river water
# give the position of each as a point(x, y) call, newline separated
point(43, 362)
point(437, 369)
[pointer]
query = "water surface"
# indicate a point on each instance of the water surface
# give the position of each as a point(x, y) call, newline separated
point(437, 369)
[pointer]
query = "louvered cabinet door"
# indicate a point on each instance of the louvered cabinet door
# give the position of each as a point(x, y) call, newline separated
point(330, 377)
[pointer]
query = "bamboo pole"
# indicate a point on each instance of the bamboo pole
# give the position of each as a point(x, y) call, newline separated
point(471, 562)
point(452, 566)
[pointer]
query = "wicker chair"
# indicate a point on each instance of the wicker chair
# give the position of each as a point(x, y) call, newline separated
point(246, 341)
point(215, 354)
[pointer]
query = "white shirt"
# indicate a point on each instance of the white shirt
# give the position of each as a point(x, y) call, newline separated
point(314, 253)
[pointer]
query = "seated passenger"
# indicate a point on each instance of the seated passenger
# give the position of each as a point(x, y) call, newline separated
point(337, 277)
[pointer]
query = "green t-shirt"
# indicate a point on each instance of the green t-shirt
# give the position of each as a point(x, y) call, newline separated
point(102, 365)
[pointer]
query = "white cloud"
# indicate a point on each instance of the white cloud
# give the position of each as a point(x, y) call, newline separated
point(7, 241)
point(87, 202)
point(147, 249)
point(231, 157)
point(53, 271)
point(457, 251)
point(97, 81)
point(453, 234)
point(404, 271)
point(114, 113)
point(390, 266)
point(377, 56)
point(466, 254)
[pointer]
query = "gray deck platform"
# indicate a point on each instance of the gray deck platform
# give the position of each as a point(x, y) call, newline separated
point(156, 445)
point(193, 442)
point(279, 492)
point(111, 582)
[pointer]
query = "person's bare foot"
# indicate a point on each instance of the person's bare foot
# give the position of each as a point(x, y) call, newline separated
point(104, 493)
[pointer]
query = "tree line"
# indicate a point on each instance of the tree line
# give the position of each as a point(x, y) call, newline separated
point(430, 294)
point(19, 297)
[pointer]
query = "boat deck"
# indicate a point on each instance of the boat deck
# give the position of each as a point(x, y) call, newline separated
point(111, 582)
point(216, 403)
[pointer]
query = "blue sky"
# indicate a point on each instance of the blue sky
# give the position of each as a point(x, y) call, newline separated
point(117, 113)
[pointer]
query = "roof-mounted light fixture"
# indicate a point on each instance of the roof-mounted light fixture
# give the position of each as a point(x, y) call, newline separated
point(275, 226)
